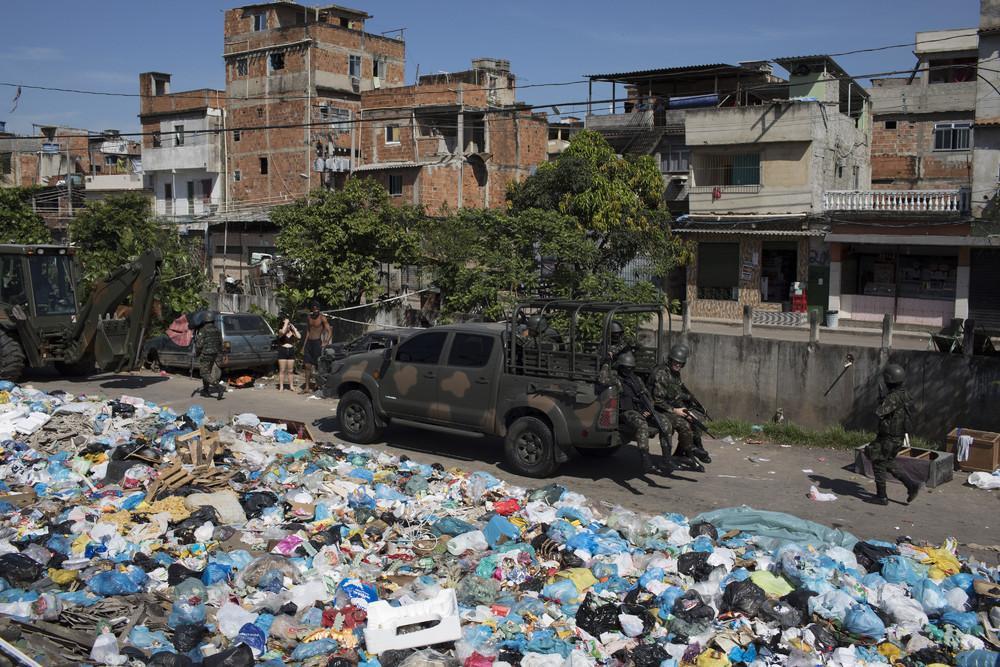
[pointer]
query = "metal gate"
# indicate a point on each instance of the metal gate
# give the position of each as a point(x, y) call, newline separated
point(984, 289)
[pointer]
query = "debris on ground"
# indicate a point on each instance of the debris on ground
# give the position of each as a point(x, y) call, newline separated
point(131, 534)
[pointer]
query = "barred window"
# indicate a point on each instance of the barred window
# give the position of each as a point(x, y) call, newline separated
point(728, 169)
point(952, 136)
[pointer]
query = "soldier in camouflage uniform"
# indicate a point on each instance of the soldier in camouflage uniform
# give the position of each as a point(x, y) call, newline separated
point(616, 346)
point(209, 342)
point(672, 399)
point(633, 417)
point(893, 413)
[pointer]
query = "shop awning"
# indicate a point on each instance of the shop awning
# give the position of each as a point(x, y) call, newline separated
point(895, 239)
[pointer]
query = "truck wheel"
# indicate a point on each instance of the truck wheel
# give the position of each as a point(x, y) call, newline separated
point(530, 447)
point(11, 358)
point(357, 418)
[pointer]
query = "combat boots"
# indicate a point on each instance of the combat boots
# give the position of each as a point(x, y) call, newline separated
point(702, 455)
point(881, 498)
point(912, 489)
point(647, 463)
point(221, 389)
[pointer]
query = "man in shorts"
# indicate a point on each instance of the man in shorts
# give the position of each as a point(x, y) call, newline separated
point(318, 335)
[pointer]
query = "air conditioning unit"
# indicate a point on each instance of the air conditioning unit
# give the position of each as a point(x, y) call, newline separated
point(356, 84)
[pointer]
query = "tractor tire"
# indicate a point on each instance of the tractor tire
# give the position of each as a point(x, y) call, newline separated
point(12, 359)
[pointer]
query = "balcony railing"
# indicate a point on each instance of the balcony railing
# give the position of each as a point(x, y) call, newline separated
point(899, 201)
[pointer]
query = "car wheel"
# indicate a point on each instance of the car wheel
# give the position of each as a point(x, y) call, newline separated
point(530, 447)
point(599, 453)
point(357, 418)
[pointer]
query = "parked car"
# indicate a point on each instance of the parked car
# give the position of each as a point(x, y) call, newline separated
point(248, 342)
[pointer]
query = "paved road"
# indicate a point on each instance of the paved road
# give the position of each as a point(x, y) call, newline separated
point(762, 476)
point(901, 340)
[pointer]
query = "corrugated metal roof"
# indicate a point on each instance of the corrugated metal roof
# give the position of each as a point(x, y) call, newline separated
point(378, 166)
point(750, 232)
point(693, 69)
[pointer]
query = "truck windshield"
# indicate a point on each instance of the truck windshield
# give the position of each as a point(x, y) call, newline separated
point(52, 284)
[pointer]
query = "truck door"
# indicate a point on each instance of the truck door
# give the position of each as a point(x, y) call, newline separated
point(468, 379)
point(410, 385)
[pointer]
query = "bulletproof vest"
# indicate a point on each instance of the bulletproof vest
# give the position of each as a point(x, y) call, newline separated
point(668, 388)
point(894, 419)
point(630, 391)
point(209, 340)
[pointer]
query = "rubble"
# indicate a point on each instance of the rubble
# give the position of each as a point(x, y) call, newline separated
point(130, 534)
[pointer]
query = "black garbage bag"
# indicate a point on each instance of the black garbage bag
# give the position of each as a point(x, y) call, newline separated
point(176, 573)
point(704, 528)
point(683, 630)
point(147, 564)
point(184, 531)
point(237, 656)
point(799, 598)
point(695, 565)
point(569, 560)
point(188, 636)
point(781, 613)
point(928, 656)
point(744, 597)
point(255, 502)
point(596, 618)
point(691, 607)
point(826, 642)
point(640, 612)
point(393, 657)
point(649, 655)
point(508, 655)
point(338, 661)
point(19, 569)
point(869, 555)
point(168, 659)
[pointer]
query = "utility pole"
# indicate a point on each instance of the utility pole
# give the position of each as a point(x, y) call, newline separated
point(69, 178)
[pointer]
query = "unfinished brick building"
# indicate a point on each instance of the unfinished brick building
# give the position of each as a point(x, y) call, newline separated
point(304, 68)
point(451, 141)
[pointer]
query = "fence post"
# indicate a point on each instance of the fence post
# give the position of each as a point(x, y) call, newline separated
point(686, 317)
point(747, 320)
point(813, 326)
point(969, 338)
point(887, 331)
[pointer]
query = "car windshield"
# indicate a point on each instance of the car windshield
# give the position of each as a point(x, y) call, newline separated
point(246, 324)
point(52, 284)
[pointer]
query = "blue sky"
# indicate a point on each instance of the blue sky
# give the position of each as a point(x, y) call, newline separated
point(102, 45)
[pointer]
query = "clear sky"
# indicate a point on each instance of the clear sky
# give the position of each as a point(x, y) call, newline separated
point(102, 45)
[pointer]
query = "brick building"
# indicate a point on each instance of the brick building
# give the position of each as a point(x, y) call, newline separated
point(451, 141)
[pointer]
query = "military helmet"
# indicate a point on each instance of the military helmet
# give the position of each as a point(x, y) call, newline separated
point(537, 323)
point(894, 375)
point(679, 353)
point(625, 360)
point(616, 328)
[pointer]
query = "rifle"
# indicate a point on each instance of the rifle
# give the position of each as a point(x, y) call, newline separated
point(698, 418)
point(647, 405)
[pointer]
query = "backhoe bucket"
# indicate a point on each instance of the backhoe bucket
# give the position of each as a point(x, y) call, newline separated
point(109, 343)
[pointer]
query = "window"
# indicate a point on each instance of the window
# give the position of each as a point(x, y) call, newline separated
point(168, 192)
point(160, 87)
point(778, 265)
point(260, 112)
point(341, 120)
point(178, 135)
point(392, 134)
point(276, 61)
point(422, 348)
point(206, 190)
point(236, 135)
point(676, 159)
point(157, 140)
point(110, 160)
point(263, 165)
point(259, 22)
point(12, 280)
point(241, 67)
point(395, 185)
point(6, 163)
point(952, 136)
point(52, 284)
point(840, 171)
point(354, 67)
point(378, 68)
point(718, 271)
point(730, 169)
point(952, 70)
point(890, 125)
point(237, 176)
point(470, 350)
point(246, 324)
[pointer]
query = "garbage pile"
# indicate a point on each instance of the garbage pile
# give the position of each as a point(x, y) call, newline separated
point(130, 534)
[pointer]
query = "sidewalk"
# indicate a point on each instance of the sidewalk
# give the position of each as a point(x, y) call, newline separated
point(842, 335)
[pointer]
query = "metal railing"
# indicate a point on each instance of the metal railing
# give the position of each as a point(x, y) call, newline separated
point(904, 201)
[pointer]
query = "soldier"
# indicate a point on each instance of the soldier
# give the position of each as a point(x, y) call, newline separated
point(209, 349)
point(893, 413)
point(634, 418)
point(616, 340)
point(673, 399)
point(537, 333)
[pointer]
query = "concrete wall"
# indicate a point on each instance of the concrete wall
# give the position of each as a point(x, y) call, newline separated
point(923, 98)
point(986, 136)
point(750, 378)
point(903, 158)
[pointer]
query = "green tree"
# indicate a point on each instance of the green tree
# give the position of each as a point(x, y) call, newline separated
point(334, 242)
point(113, 231)
point(583, 217)
point(18, 222)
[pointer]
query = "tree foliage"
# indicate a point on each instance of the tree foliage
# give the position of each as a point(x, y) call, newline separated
point(334, 242)
point(18, 222)
point(112, 232)
point(569, 231)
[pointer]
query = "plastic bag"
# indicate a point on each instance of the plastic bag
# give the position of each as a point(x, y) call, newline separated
point(428, 658)
point(862, 620)
point(597, 618)
point(695, 565)
point(236, 656)
point(472, 541)
point(105, 650)
point(691, 607)
point(19, 569)
point(781, 613)
point(745, 597)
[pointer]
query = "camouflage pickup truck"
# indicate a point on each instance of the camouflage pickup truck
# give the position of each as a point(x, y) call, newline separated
point(536, 381)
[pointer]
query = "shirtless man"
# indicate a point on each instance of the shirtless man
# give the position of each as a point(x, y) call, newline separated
point(318, 336)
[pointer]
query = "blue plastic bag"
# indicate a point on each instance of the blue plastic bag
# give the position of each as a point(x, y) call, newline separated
point(978, 658)
point(449, 525)
point(862, 620)
point(313, 649)
point(196, 413)
point(966, 621)
point(112, 583)
point(930, 596)
point(898, 570)
point(499, 528)
point(216, 572)
point(562, 590)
